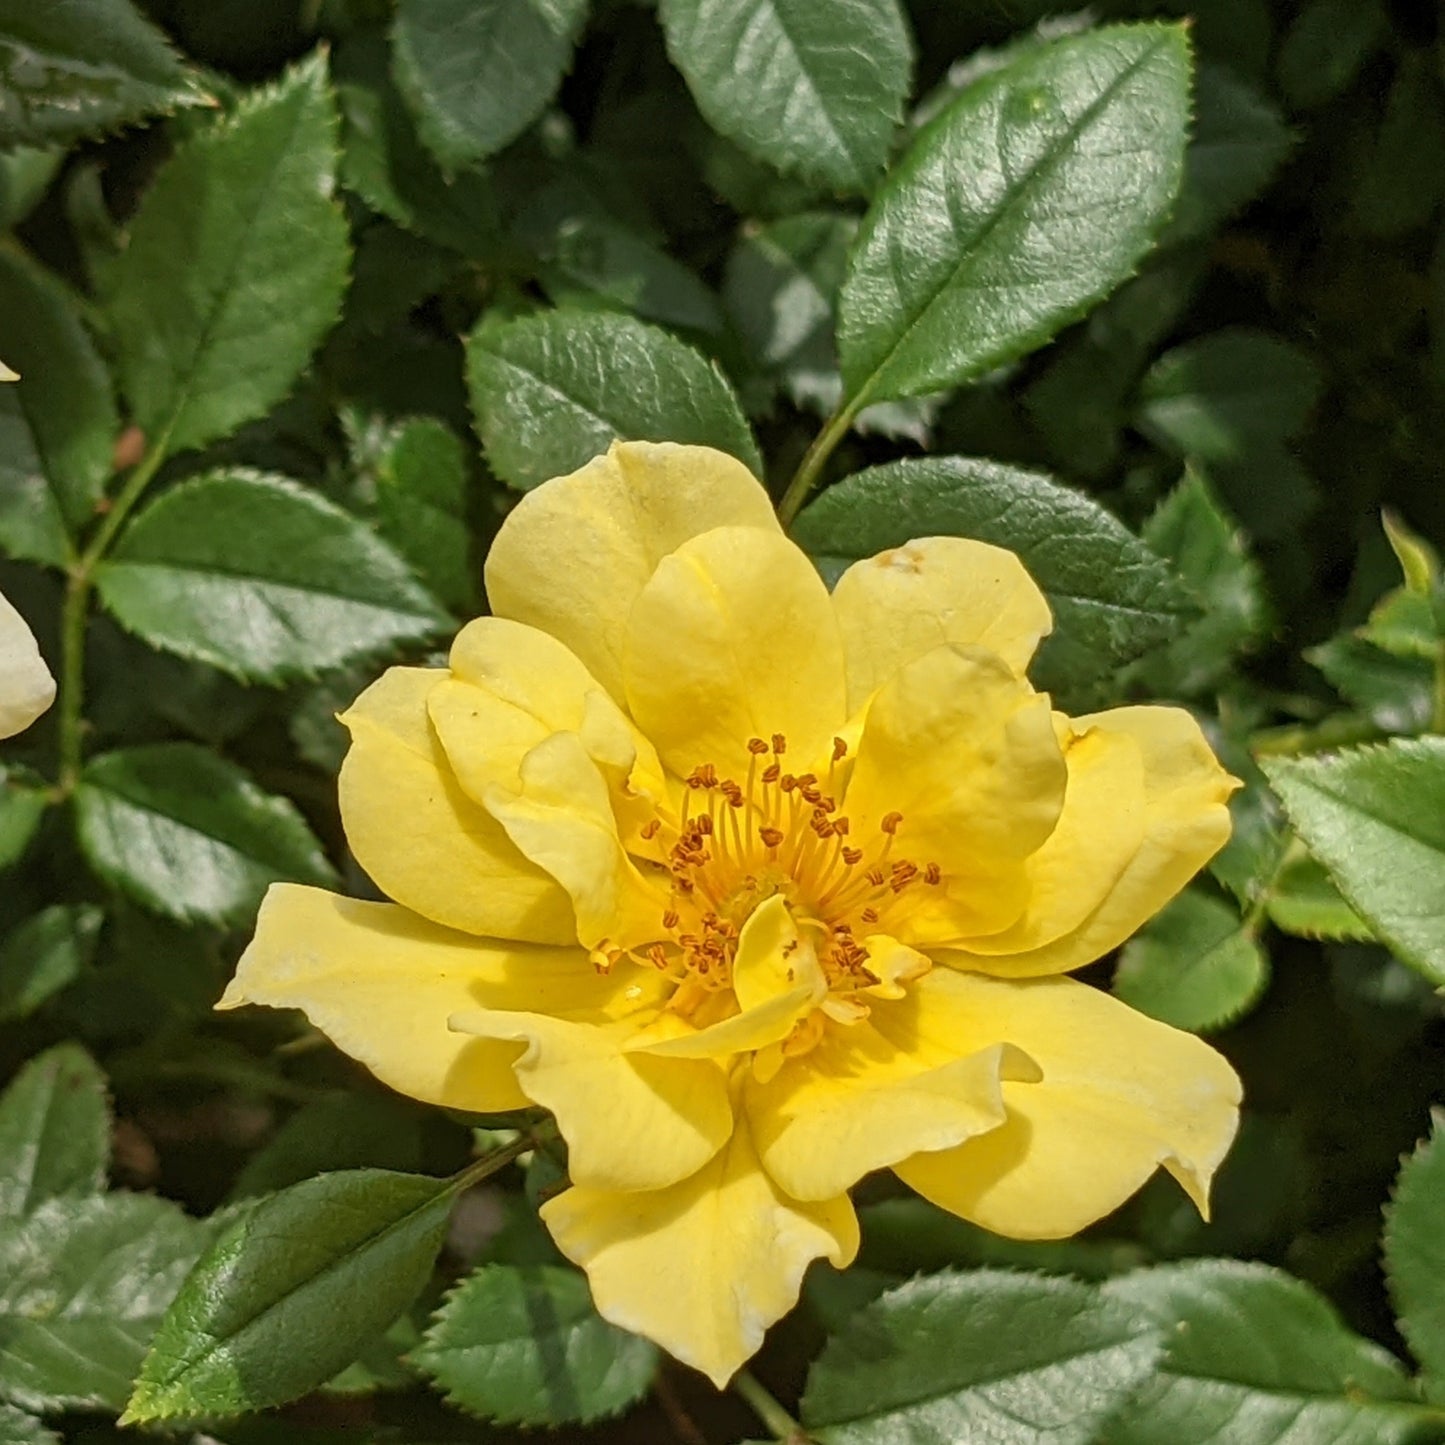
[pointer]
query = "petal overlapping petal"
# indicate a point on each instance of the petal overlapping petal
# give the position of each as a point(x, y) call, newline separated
point(421, 839)
point(706, 1266)
point(734, 637)
point(574, 554)
point(1121, 1094)
point(896, 606)
point(26, 686)
point(380, 982)
point(966, 753)
point(1186, 821)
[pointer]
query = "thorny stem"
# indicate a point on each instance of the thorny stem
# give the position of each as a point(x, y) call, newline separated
point(784, 1428)
point(813, 459)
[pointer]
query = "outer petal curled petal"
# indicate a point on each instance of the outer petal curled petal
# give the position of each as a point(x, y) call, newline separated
point(26, 686)
point(1121, 1094)
point(421, 839)
point(733, 638)
point(902, 603)
point(575, 553)
point(702, 1268)
point(381, 983)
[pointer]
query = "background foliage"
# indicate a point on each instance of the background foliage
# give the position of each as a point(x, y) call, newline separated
point(304, 291)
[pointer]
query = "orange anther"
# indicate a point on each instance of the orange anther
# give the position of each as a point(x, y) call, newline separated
point(772, 773)
point(771, 836)
point(870, 915)
point(670, 920)
point(757, 746)
point(780, 743)
point(650, 830)
point(852, 856)
point(933, 873)
point(840, 750)
point(890, 822)
point(840, 826)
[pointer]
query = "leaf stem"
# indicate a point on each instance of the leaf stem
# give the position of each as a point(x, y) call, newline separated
point(834, 430)
point(767, 1409)
point(489, 1164)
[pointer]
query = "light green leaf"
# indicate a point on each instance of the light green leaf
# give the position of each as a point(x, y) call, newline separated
point(22, 805)
point(551, 391)
point(68, 71)
point(236, 265)
point(1017, 1358)
point(262, 578)
point(524, 1345)
point(1026, 201)
point(1302, 900)
point(43, 955)
point(1414, 1249)
point(65, 397)
point(18, 1428)
point(1375, 817)
point(1227, 393)
point(54, 1131)
point(1403, 623)
point(1254, 1357)
point(1112, 597)
point(190, 835)
point(1396, 692)
point(291, 1292)
point(1194, 965)
point(477, 73)
point(83, 1285)
point(814, 89)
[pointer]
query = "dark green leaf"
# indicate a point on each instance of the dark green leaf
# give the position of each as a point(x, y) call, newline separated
point(236, 265)
point(43, 955)
point(83, 1285)
point(525, 1345)
point(807, 88)
point(1400, 179)
point(18, 1428)
point(258, 576)
point(1194, 965)
point(21, 808)
point(1027, 200)
point(291, 1292)
point(478, 72)
point(68, 71)
point(25, 174)
point(1112, 597)
point(1014, 1358)
point(1221, 396)
point(64, 394)
point(1255, 1357)
point(54, 1131)
point(550, 392)
point(190, 835)
point(1326, 46)
point(1415, 1256)
point(1302, 900)
point(1375, 817)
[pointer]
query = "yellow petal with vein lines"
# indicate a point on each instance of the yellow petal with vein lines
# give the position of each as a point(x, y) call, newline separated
point(702, 1268)
point(1121, 1095)
point(574, 554)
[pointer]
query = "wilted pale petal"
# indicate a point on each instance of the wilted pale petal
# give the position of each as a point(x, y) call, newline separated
point(381, 983)
point(902, 603)
point(702, 1268)
point(631, 1121)
point(574, 554)
point(734, 638)
point(423, 842)
point(1121, 1095)
point(1186, 822)
point(26, 686)
point(6, 374)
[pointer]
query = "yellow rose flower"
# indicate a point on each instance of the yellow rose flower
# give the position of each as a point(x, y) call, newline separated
point(759, 889)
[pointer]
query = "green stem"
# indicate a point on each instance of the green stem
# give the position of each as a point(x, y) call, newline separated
point(1334, 732)
point(1437, 714)
point(76, 612)
point(489, 1164)
point(835, 429)
point(767, 1409)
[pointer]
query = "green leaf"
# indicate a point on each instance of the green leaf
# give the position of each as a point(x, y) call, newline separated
point(1403, 623)
point(236, 265)
point(43, 955)
point(1017, 1358)
point(68, 71)
point(83, 1285)
point(54, 1131)
point(1227, 393)
point(1375, 817)
point(1326, 46)
point(22, 806)
point(477, 73)
point(1414, 1248)
point(65, 396)
point(1026, 201)
point(1302, 900)
point(1400, 182)
point(1255, 1357)
point(1194, 965)
point(1397, 693)
point(1112, 597)
point(18, 1428)
point(190, 835)
point(551, 391)
point(25, 176)
point(814, 89)
point(291, 1292)
point(262, 578)
point(524, 1345)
